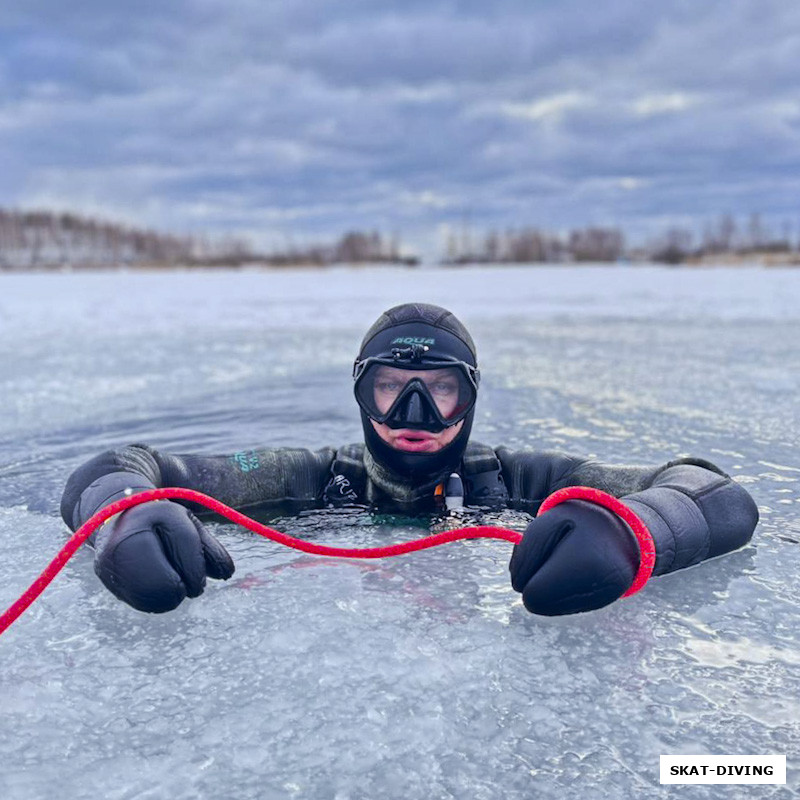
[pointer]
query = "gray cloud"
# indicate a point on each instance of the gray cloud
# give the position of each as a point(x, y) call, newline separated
point(301, 119)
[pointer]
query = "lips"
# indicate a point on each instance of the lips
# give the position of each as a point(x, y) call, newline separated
point(415, 441)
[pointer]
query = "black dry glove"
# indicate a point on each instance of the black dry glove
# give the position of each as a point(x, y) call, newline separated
point(578, 556)
point(153, 555)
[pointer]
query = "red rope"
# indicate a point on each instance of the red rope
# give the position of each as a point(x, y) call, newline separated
point(644, 539)
point(92, 524)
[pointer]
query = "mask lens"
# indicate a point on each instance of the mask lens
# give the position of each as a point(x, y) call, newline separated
point(448, 389)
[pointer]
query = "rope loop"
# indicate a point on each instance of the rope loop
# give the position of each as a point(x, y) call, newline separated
point(176, 493)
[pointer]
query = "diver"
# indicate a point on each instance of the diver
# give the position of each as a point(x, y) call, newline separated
point(416, 383)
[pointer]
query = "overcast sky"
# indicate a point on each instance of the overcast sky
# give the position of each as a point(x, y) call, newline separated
point(294, 121)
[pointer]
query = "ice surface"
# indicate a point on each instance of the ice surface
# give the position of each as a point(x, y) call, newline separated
point(419, 677)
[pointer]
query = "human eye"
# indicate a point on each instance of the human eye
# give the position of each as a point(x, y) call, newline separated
point(444, 387)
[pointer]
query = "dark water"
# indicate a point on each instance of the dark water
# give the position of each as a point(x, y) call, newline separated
point(421, 677)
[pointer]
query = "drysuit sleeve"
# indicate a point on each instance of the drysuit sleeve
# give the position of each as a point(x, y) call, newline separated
point(275, 476)
point(692, 509)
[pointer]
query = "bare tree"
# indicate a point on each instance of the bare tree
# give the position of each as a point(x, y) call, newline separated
point(596, 244)
point(673, 248)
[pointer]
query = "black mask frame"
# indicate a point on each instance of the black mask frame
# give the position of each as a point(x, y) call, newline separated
point(414, 408)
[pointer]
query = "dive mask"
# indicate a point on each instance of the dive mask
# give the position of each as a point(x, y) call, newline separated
point(404, 389)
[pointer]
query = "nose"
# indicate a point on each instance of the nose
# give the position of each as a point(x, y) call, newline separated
point(415, 411)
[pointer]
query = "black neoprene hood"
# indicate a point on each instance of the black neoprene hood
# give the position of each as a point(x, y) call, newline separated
point(442, 336)
point(434, 327)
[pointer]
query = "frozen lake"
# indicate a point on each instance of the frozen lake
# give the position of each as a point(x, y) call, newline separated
point(420, 677)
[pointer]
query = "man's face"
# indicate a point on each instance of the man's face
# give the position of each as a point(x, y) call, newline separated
point(443, 386)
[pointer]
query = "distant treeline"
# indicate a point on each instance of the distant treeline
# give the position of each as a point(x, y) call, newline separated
point(724, 238)
point(42, 239)
point(354, 247)
point(531, 245)
point(35, 240)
